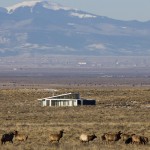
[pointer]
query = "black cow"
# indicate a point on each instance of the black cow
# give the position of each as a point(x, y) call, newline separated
point(8, 137)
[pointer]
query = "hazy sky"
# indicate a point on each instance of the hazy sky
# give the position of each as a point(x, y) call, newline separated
point(116, 9)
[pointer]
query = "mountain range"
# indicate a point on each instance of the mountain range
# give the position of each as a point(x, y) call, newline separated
point(44, 28)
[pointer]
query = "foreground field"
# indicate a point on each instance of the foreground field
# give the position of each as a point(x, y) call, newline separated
point(120, 109)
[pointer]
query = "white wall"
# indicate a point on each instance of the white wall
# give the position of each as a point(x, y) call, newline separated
point(43, 103)
point(71, 103)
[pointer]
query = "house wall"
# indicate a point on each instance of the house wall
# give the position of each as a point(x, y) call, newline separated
point(43, 103)
point(63, 103)
point(59, 103)
point(75, 103)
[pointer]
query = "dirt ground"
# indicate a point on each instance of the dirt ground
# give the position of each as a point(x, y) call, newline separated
point(121, 105)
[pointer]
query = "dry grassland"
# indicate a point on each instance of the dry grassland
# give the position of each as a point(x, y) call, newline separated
point(124, 109)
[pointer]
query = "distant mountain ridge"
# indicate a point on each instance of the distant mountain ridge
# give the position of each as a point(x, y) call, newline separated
point(41, 28)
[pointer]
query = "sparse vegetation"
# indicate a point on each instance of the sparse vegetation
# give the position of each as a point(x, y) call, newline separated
point(123, 109)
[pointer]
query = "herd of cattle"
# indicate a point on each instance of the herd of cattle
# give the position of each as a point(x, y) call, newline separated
point(8, 137)
point(106, 137)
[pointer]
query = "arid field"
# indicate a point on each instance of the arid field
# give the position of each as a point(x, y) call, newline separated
point(121, 107)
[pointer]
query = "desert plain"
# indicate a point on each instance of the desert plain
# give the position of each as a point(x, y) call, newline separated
point(122, 104)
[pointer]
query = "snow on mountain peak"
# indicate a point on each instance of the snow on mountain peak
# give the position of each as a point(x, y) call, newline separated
point(54, 6)
point(82, 15)
point(46, 4)
point(23, 4)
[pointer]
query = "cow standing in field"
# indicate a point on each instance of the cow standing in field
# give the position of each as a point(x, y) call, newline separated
point(20, 137)
point(8, 137)
point(86, 138)
point(111, 137)
point(56, 137)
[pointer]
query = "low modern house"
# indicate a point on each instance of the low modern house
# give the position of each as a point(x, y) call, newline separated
point(69, 99)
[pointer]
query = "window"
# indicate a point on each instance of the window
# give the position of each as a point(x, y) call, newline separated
point(47, 102)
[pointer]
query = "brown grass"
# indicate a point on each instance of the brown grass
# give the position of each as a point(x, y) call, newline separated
point(124, 109)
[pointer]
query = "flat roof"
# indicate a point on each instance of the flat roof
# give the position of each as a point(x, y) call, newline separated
point(57, 96)
point(60, 99)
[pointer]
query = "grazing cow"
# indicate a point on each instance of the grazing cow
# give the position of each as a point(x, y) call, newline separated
point(8, 137)
point(112, 136)
point(136, 139)
point(20, 137)
point(56, 137)
point(86, 138)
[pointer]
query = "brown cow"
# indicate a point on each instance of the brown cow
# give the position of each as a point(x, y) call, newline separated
point(136, 139)
point(111, 136)
point(20, 137)
point(56, 137)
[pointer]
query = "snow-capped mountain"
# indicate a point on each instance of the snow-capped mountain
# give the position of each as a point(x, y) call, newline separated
point(31, 4)
point(42, 27)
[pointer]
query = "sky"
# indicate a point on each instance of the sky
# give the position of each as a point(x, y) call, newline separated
point(116, 9)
